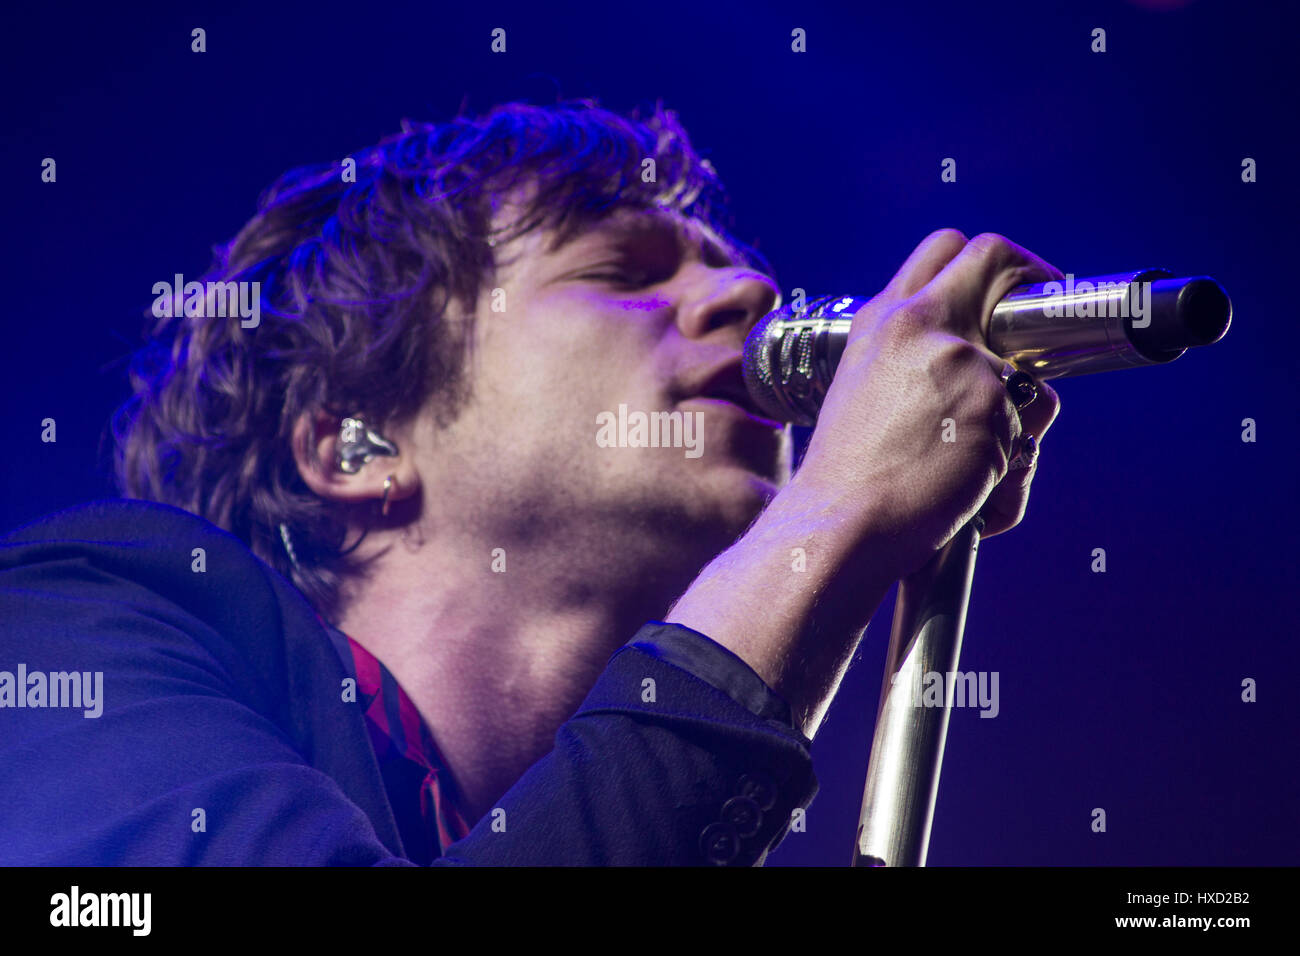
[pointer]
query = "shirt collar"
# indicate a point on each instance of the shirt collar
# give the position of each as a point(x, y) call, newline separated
point(400, 739)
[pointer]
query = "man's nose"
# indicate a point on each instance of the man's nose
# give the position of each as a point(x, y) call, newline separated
point(731, 299)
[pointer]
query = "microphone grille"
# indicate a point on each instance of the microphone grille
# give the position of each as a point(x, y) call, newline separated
point(790, 357)
point(761, 363)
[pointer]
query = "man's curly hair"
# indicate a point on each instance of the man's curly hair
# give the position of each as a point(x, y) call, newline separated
point(368, 289)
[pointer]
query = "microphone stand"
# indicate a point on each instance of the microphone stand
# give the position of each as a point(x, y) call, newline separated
point(907, 749)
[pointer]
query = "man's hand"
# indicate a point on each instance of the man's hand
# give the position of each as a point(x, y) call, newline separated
point(917, 420)
point(916, 434)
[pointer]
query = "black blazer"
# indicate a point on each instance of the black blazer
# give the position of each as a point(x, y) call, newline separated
point(223, 738)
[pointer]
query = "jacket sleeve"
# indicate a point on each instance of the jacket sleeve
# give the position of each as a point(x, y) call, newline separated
point(658, 767)
point(216, 733)
point(183, 750)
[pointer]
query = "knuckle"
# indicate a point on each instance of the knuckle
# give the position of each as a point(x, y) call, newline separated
point(1021, 272)
point(948, 235)
point(992, 455)
point(996, 412)
point(965, 367)
point(990, 245)
point(966, 358)
point(1012, 264)
point(927, 309)
point(999, 411)
point(912, 318)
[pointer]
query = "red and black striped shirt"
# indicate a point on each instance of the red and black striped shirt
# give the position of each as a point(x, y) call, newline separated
point(420, 788)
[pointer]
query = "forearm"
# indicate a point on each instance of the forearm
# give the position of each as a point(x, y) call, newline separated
point(792, 596)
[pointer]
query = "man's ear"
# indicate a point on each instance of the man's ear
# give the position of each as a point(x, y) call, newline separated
point(316, 440)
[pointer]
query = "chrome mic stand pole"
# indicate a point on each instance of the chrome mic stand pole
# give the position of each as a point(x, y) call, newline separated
point(907, 750)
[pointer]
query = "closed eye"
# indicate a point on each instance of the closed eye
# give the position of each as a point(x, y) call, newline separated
point(630, 279)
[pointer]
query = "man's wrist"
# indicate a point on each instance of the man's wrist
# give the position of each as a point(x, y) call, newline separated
point(781, 600)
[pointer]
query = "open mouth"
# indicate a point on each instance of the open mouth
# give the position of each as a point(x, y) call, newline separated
point(726, 386)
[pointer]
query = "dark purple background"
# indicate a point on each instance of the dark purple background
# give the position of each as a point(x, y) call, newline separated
point(1118, 690)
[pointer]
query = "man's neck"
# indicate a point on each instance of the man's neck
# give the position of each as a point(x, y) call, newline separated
point(497, 656)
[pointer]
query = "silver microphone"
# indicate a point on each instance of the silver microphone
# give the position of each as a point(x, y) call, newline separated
point(1047, 329)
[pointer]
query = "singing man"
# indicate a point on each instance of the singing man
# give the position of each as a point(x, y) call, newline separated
point(386, 586)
